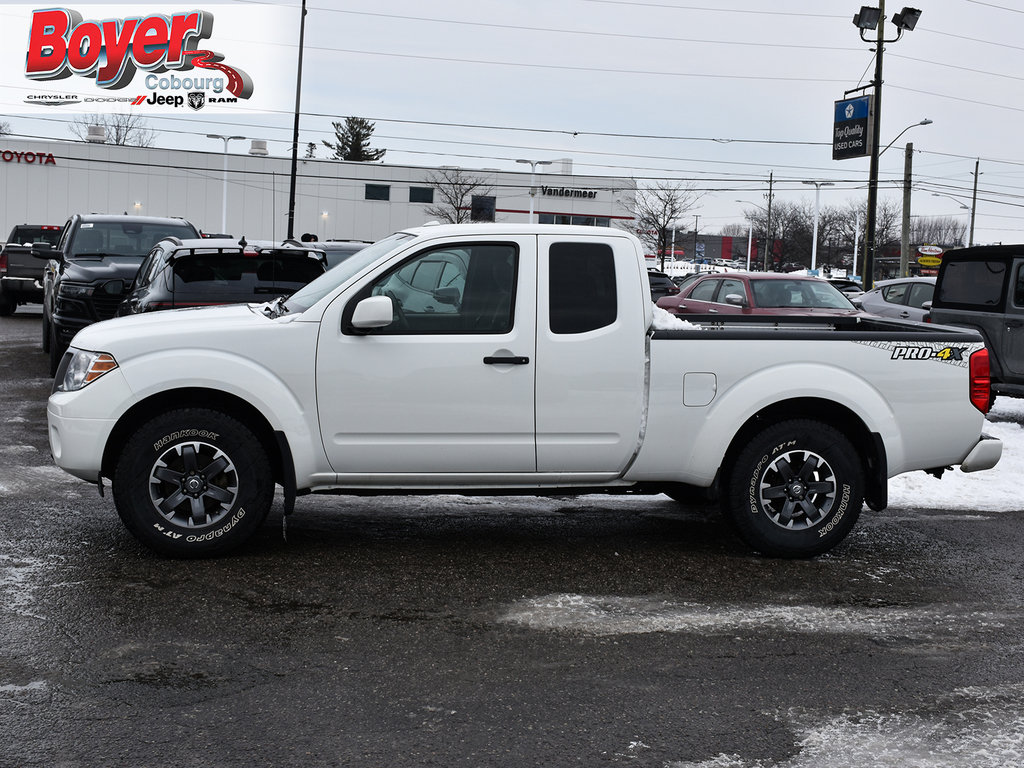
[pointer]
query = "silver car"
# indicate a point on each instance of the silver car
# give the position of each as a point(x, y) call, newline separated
point(902, 298)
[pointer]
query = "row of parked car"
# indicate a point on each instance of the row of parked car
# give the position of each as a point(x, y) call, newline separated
point(789, 294)
point(100, 266)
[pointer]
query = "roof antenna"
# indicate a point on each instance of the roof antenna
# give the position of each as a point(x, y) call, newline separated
point(242, 243)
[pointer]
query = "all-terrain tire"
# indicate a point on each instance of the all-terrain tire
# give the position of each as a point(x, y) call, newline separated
point(796, 489)
point(193, 483)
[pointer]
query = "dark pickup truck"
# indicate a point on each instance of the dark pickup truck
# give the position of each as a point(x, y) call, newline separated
point(90, 270)
point(21, 276)
point(983, 288)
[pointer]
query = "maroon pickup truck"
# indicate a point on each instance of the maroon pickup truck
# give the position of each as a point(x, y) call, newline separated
point(21, 274)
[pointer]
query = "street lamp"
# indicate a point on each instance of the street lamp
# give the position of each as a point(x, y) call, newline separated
point(962, 205)
point(926, 121)
point(868, 19)
point(817, 200)
point(767, 235)
point(533, 170)
point(224, 205)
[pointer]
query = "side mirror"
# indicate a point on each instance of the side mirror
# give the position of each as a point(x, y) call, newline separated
point(447, 296)
point(736, 300)
point(927, 306)
point(44, 251)
point(373, 312)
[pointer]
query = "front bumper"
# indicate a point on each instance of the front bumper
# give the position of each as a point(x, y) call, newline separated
point(80, 423)
point(984, 455)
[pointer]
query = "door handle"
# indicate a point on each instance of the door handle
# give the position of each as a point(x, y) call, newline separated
point(511, 360)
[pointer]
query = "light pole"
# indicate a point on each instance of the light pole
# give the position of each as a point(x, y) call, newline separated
point(696, 221)
point(224, 204)
point(750, 235)
point(817, 207)
point(868, 19)
point(965, 207)
point(533, 171)
point(295, 127)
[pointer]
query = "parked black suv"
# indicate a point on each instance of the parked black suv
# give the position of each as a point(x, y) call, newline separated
point(195, 273)
point(983, 288)
point(89, 271)
point(661, 284)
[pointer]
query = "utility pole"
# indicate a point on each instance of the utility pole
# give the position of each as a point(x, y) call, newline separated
point(769, 241)
point(974, 201)
point(905, 239)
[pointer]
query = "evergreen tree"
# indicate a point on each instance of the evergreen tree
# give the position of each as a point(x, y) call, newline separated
point(354, 141)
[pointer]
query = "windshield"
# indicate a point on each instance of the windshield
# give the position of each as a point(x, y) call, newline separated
point(798, 293)
point(302, 300)
point(124, 238)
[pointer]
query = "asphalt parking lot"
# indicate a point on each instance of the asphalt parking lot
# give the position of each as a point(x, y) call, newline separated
point(493, 632)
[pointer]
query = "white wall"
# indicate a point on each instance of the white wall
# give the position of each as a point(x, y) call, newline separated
point(102, 178)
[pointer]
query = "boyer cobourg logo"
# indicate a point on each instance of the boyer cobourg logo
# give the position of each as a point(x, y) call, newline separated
point(114, 52)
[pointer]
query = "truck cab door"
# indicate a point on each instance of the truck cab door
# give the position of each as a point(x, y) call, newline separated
point(445, 390)
point(591, 354)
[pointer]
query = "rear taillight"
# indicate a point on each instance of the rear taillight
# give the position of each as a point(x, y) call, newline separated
point(981, 382)
point(3, 261)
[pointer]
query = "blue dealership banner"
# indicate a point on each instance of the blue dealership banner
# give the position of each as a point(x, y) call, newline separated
point(851, 131)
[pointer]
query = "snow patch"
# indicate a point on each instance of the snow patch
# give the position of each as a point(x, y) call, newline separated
point(611, 615)
point(977, 727)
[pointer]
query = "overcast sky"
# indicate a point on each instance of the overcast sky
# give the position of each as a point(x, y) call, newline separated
point(715, 96)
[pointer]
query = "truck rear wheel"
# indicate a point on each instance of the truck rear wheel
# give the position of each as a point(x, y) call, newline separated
point(193, 483)
point(7, 305)
point(796, 489)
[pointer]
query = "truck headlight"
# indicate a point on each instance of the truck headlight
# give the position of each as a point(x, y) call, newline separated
point(85, 367)
point(74, 290)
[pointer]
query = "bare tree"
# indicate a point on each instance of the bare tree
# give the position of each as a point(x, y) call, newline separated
point(657, 208)
point(938, 230)
point(123, 129)
point(456, 190)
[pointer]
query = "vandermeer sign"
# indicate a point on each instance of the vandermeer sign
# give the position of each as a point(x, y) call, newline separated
point(851, 129)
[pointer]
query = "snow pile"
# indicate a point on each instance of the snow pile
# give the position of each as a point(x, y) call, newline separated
point(994, 490)
point(666, 321)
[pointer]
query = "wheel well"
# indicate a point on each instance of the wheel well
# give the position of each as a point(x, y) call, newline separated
point(195, 397)
point(869, 445)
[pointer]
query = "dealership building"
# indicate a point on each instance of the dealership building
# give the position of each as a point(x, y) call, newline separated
point(246, 191)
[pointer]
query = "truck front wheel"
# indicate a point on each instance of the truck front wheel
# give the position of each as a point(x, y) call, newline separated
point(193, 483)
point(796, 489)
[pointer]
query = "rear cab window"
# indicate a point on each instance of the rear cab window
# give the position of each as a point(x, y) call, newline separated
point(583, 295)
point(976, 284)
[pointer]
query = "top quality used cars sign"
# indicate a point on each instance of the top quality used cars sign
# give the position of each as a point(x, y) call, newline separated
point(152, 59)
point(851, 131)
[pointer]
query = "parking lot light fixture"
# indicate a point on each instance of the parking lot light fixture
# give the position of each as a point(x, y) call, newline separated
point(533, 171)
point(817, 207)
point(224, 202)
point(865, 20)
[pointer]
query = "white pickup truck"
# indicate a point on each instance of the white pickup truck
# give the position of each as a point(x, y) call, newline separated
point(508, 358)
